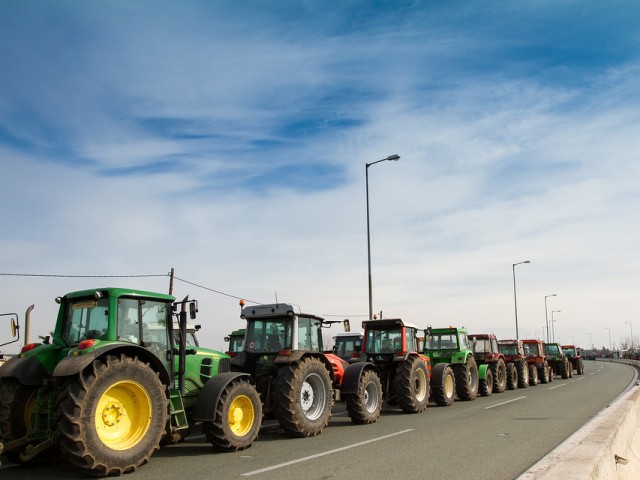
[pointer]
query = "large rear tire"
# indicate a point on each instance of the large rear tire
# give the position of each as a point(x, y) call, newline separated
point(499, 371)
point(303, 397)
point(238, 418)
point(523, 374)
point(17, 403)
point(466, 379)
point(443, 385)
point(412, 385)
point(512, 376)
point(580, 369)
point(563, 369)
point(112, 416)
point(365, 406)
point(486, 384)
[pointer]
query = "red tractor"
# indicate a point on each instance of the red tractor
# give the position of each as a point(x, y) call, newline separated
point(574, 355)
point(391, 347)
point(517, 366)
point(539, 369)
point(489, 358)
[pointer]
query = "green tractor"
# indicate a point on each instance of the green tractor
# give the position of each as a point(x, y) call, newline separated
point(450, 346)
point(558, 361)
point(574, 355)
point(115, 381)
point(235, 342)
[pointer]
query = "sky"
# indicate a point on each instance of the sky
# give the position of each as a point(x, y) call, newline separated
point(229, 140)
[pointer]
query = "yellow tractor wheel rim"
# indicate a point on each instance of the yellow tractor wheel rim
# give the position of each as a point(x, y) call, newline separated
point(421, 385)
point(241, 415)
point(123, 415)
point(29, 408)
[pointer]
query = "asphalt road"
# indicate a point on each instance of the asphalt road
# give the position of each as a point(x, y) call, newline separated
point(494, 437)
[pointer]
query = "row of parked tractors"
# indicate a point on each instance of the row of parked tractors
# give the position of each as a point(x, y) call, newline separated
point(123, 374)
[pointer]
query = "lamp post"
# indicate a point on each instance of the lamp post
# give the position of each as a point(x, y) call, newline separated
point(515, 301)
point(631, 327)
point(553, 328)
point(609, 328)
point(366, 170)
point(589, 333)
point(546, 317)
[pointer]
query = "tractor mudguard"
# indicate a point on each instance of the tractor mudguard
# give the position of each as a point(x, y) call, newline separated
point(29, 370)
point(208, 398)
point(72, 365)
point(351, 378)
point(482, 371)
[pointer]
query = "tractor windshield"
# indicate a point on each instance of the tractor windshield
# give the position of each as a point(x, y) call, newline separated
point(510, 350)
point(383, 341)
point(531, 349)
point(85, 318)
point(346, 345)
point(236, 342)
point(269, 335)
point(442, 341)
point(481, 345)
point(571, 352)
point(552, 349)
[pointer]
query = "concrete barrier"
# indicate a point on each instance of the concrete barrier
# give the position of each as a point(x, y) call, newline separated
point(607, 447)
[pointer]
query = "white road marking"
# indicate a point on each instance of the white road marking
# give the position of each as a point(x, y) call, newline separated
point(322, 454)
point(557, 386)
point(578, 379)
point(504, 403)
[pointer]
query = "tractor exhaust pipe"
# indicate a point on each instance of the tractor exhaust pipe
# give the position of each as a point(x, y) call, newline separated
point(27, 323)
point(182, 355)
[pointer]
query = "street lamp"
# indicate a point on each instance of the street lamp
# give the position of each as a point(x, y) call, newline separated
point(631, 327)
point(515, 301)
point(553, 328)
point(366, 170)
point(609, 328)
point(546, 317)
point(590, 345)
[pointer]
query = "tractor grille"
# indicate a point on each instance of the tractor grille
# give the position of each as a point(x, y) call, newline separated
point(224, 365)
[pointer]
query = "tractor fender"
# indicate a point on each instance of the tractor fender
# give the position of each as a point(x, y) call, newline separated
point(482, 371)
point(208, 398)
point(74, 364)
point(29, 370)
point(351, 377)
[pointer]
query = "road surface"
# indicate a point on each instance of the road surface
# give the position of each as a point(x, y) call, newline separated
point(494, 437)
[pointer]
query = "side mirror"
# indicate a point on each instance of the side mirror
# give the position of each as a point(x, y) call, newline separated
point(347, 325)
point(193, 309)
point(227, 339)
point(14, 328)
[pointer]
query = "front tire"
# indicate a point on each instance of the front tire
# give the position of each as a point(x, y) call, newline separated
point(486, 385)
point(533, 375)
point(499, 371)
point(365, 406)
point(238, 418)
point(112, 416)
point(523, 374)
point(543, 373)
point(303, 397)
point(512, 376)
point(443, 385)
point(466, 379)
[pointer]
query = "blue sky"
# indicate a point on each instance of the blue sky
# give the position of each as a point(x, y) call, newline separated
point(228, 140)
